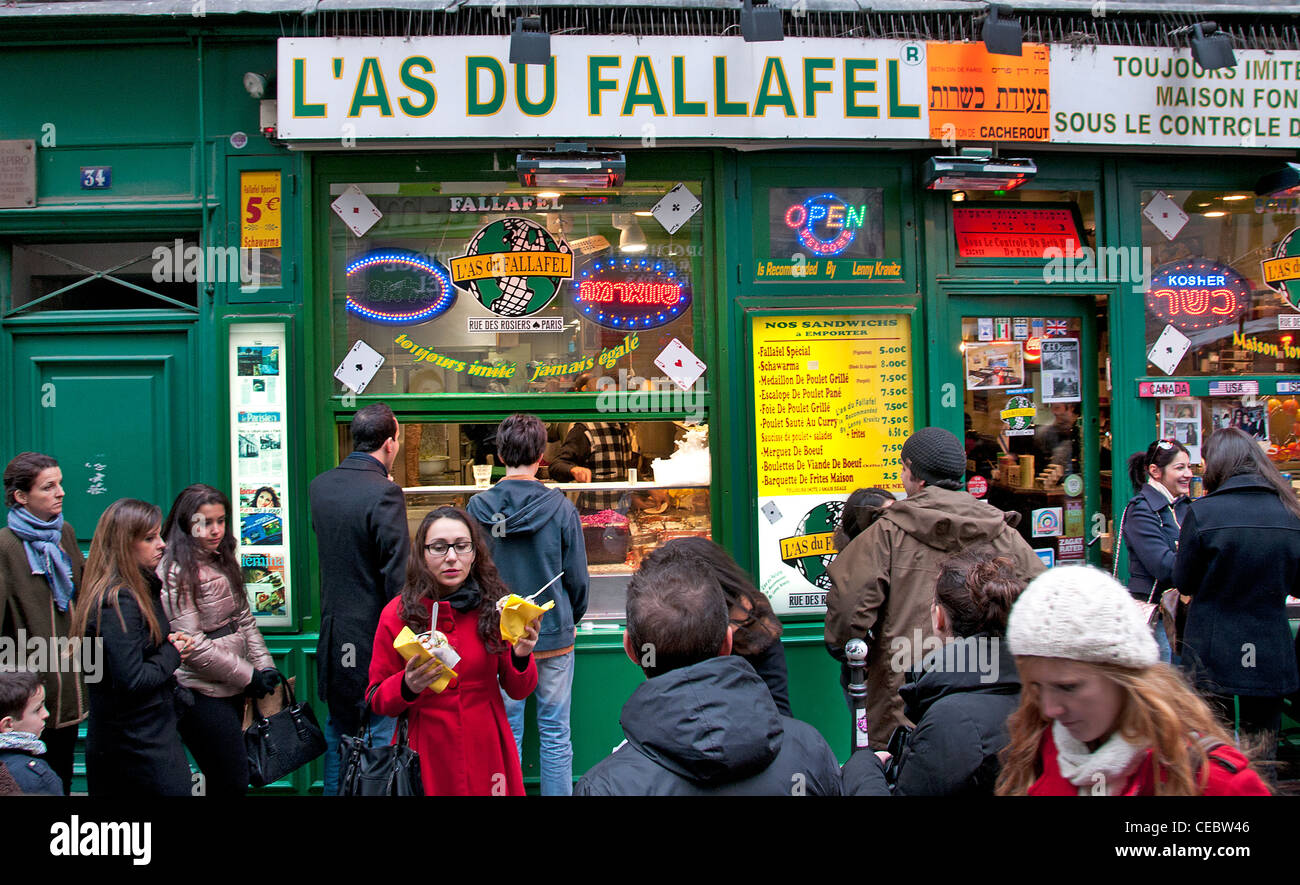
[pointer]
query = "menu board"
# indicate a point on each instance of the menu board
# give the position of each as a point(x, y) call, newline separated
point(259, 467)
point(832, 407)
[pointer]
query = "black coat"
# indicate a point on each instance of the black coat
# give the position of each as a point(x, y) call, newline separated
point(712, 729)
point(359, 515)
point(1239, 558)
point(960, 708)
point(769, 664)
point(1151, 528)
point(132, 746)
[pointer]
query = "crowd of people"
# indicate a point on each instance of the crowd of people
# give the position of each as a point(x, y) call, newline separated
point(986, 673)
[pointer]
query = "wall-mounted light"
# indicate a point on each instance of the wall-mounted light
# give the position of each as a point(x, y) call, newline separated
point(1001, 36)
point(530, 44)
point(258, 85)
point(760, 23)
point(1211, 48)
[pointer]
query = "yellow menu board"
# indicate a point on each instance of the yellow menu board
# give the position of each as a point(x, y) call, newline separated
point(832, 401)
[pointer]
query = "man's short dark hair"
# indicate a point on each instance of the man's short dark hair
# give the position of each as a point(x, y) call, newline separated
point(372, 427)
point(521, 438)
point(676, 616)
point(16, 690)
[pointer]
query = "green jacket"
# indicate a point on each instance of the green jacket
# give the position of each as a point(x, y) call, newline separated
point(27, 604)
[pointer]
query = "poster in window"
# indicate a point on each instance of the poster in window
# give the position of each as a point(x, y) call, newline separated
point(994, 366)
point(1061, 370)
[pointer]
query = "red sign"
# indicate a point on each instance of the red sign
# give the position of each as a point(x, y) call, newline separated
point(977, 486)
point(1069, 548)
point(1015, 231)
point(1164, 388)
point(631, 294)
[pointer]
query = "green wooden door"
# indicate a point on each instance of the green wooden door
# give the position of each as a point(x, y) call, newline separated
point(112, 404)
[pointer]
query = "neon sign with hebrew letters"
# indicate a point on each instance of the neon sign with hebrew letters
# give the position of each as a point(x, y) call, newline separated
point(631, 293)
point(825, 224)
point(398, 287)
point(1197, 294)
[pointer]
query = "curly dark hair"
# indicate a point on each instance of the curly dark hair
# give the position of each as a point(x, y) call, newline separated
point(420, 582)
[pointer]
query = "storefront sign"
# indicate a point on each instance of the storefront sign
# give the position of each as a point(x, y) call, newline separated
point(260, 225)
point(1015, 232)
point(977, 486)
point(478, 368)
point(1282, 271)
point(1288, 387)
point(513, 266)
point(1019, 412)
point(631, 294)
point(1069, 548)
point(17, 174)
point(1046, 555)
point(977, 96)
point(1197, 294)
point(1047, 522)
point(1234, 388)
point(398, 287)
point(1150, 389)
point(833, 405)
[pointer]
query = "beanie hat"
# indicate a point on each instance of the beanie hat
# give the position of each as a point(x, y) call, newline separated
point(1080, 613)
point(933, 454)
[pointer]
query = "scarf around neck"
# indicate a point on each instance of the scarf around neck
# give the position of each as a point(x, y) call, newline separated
point(466, 598)
point(22, 741)
point(1111, 763)
point(44, 555)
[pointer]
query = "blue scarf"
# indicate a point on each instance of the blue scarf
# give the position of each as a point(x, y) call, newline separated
point(24, 742)
point(44, 555)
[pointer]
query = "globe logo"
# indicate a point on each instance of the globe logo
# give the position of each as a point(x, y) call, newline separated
point(820, 523)
point(513, 266)
point(1282, 271)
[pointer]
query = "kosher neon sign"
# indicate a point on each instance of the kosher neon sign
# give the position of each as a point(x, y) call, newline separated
point(824, 223)
point(1197, 294)
point(631, 294)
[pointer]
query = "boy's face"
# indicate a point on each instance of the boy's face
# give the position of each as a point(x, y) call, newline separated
point(33, 716)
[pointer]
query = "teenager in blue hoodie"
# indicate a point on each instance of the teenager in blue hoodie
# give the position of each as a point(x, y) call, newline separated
point(535, 533)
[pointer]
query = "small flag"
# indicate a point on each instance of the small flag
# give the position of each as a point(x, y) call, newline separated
point(1057, 328)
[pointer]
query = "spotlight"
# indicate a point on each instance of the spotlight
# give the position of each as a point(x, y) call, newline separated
point(760, 23)
point(631, 237)
point(258, 85)
point(1211, 47)
point(529, 44)
point(1001, 36)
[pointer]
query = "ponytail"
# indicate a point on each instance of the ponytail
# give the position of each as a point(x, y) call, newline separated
point(1161, 453)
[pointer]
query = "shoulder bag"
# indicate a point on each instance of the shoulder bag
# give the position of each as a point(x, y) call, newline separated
point(1166, 600)
point(389, 770)
point(283, 742)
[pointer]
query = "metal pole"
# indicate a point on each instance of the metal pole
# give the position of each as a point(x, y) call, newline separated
point(855, 653)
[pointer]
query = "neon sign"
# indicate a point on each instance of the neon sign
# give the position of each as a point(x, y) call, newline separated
point(1197, 294)
point(398, 287)
point(825, 224)
point(631, 294)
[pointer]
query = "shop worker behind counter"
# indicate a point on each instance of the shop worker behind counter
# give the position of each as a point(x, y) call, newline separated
point(703, 722)
point(359, 515)
point(883, 581)
point(535, 534)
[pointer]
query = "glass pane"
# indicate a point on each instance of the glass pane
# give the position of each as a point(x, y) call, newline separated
point(42, 268)
point(1023, 379)
point(1207, 284)
point(464, 287)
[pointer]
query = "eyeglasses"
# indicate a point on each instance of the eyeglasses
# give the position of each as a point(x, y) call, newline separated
point(440, 548)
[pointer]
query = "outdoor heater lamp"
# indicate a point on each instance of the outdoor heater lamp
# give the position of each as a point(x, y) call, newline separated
point(571, 165)
point(760, 23)
point(1284, 182)
point(978, 170)
point(1001, 36)
point(529, 43)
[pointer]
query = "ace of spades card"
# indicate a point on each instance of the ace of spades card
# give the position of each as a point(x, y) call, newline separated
point(676, 208)
point(359, 366)
point(772, 512)
point(679, 364)
point(356, 210)
point(1168, 350)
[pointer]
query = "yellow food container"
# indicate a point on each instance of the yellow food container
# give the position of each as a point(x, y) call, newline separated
point(408, 645)
point(517, 613)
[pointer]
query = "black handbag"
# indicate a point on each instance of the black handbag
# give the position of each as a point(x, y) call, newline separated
point(388, 770)
point(284, 742)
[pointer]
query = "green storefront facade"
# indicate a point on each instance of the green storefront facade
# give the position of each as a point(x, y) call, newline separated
point(130, 380)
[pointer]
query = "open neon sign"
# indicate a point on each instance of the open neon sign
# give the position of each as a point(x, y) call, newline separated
point(1197, 294)
point(631, 294)
point(825, 224)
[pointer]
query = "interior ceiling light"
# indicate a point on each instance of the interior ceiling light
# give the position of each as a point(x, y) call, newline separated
point(529, 43)
point(1001, 36)
point(1229, 198)
point(760, 23)
point(571, 165)
point(976, 169)
point(631, 237)
point(1284, 182)
point(1217, 213)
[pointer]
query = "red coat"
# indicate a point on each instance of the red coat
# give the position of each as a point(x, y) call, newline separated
point(462, 734)
point(1236, 779)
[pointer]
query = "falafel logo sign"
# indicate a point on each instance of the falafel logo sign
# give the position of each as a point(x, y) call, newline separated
point(811, 549)
point(1282, 271)
point(514, 267)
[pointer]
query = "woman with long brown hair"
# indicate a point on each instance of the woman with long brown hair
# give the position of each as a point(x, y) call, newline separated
point(132, 745)
point(1239, 559)
point(1099, 714)
point(460, 730)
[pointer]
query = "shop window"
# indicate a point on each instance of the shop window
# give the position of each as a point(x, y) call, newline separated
point(147, 275)
point(1274, 421)
point(485, 287)
point(1211, 308)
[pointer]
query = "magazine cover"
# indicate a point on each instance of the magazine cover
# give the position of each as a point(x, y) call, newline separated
point(264, 582)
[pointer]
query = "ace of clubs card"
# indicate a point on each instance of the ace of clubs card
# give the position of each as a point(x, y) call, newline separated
point(359, 367)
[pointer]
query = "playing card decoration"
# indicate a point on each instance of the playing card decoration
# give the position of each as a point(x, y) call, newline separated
point(676, 208)
point(1165, 214)
point(679, 364)
point(359, 366)
point(1168, 350)
point(772, 512)
point(356, 210)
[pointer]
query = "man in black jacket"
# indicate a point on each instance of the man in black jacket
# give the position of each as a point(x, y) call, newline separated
point(359, 515)
point(703, 722)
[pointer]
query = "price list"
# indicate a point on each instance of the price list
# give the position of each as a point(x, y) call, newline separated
point(832, 402)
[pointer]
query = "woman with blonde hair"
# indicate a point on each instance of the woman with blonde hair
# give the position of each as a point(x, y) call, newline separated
point(1099, 713)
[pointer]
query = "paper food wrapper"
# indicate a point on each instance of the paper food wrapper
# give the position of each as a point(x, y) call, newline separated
point(517, 613)
point(425, 646)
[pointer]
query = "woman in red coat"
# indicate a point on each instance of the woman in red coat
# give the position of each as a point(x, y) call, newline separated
point(1099, 714)
point(461, 734)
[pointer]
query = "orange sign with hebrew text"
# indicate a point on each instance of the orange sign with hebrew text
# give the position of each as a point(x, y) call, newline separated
point(975, 95)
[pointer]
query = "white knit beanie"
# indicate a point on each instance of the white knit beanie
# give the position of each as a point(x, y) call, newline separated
point(1080, 613)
